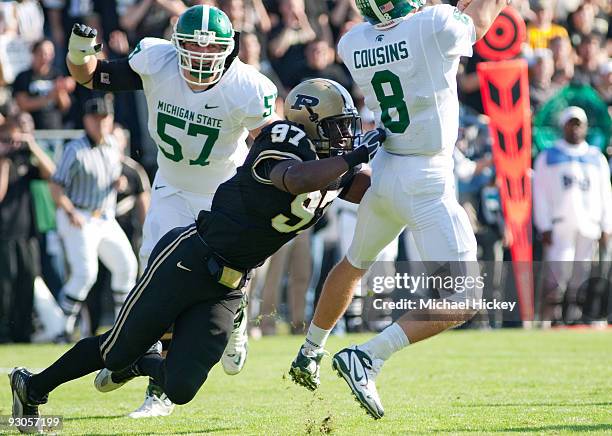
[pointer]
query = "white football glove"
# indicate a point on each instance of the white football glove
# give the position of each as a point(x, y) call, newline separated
point(82, 44)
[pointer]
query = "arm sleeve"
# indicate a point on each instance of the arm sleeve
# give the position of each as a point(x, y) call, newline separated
point(454, 31)
point(606, 197)
point(116, 75)
point(541, 210)
point(260, 107)
point(62, 173)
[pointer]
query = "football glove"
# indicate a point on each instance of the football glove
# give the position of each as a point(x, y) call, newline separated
point(367, 147)
point(82, 44)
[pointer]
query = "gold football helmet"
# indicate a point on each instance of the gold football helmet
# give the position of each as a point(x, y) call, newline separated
point(326, 112)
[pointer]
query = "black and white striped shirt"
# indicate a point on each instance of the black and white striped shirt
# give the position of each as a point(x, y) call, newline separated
point(87, 173)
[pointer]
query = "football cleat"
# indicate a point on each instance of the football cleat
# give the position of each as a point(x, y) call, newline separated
point(359, 370)
point(236, 350)
point(156, 403)
point(24, 406)
point(107, 380)
point(305, 367)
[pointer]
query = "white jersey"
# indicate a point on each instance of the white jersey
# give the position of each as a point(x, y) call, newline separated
point(200, 135)
point(407, 74)
point(571, 190)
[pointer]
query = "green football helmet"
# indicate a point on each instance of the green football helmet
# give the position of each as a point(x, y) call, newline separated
point(385, 12)
point(205, 26)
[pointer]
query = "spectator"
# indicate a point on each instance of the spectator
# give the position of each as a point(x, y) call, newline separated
point(250, 53)
point(22, 18)
point(42, 90)
point(247, 15)
point(147, 18)
point(572, 200)
point(343, 11)
point(590, 59)
point(581, 22)
point(603, 83)
point(84, 189)
point(542, 29)
point(21, 160)
point(319, 62)
point(563, 59)
point(62, 15)
point(541, 70)
point(289, 37)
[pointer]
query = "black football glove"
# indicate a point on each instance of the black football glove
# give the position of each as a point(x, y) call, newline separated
point(368, 145)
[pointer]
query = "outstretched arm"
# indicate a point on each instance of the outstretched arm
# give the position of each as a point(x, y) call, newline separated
point(299, 177)
point(482, 13)
point(81, 59)
point(88, 71)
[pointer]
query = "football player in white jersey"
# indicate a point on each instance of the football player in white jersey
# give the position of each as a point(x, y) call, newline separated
point(404, 59)
point(203, 102)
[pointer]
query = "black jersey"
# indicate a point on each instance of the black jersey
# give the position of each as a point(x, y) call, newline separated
point(250, 218)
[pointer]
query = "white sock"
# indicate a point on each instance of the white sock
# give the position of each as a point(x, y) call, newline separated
point(316, 336)
point(387, 342)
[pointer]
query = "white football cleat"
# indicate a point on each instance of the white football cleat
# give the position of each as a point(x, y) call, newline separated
point(359, 370)
point(236, 351)
point(155, 404)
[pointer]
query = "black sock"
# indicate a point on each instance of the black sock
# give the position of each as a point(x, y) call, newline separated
point(153, 366)
point(80, 360)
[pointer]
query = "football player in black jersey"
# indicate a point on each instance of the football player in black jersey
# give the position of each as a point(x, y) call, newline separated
point(293, 171)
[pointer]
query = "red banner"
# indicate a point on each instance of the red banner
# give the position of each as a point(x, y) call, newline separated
point(505, 95)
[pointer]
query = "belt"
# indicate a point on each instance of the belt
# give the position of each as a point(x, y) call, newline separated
point(223, 272)
point(96, 213)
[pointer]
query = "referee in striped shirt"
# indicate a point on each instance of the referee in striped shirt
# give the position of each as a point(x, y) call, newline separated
point(84, 190)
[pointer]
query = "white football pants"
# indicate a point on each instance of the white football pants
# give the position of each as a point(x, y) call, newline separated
point(99, 236)
point(169, 208)
point(416, 192)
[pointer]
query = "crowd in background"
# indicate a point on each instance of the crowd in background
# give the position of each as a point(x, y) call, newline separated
point(568, 50)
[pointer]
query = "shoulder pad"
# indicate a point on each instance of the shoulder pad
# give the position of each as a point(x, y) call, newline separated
point(150, 55)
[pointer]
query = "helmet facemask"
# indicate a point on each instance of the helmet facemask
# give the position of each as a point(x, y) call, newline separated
point(199, 67)
point(337, 134)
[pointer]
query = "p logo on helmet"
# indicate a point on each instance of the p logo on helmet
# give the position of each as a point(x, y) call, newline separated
point(302, 100)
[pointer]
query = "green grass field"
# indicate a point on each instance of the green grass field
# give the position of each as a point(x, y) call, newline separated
point(552, 382)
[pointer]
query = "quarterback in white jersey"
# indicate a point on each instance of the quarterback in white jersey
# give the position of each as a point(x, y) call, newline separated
point(203, 102)
point(404, 60)
point(408, 76)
